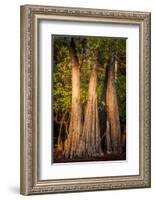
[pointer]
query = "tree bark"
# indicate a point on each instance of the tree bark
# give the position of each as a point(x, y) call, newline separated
point(90, 139)
point(113, 132)
point(75, 127)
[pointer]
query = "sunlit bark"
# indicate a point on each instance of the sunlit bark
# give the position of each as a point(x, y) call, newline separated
point(72, 141)
point(90, 140)
point(113, 131)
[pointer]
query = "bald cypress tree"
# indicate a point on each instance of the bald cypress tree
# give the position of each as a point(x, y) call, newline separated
point(75, 127)
point(113, 130)
point(90, 140)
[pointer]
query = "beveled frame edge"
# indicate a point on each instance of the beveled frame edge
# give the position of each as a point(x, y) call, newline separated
point(30, 184)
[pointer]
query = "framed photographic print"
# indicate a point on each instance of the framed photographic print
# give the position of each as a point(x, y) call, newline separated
point(85, 99)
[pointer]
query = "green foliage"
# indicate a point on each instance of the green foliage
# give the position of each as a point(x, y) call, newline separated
point(93, 43)
point(61, 78)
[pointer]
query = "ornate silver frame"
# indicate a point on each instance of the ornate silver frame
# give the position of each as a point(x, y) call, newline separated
point(30, 183)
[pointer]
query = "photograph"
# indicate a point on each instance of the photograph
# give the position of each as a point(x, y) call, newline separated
point(88, 98)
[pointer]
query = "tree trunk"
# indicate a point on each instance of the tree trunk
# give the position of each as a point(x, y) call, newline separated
point(90, 140)
point(113, 122)
point(72, 140)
